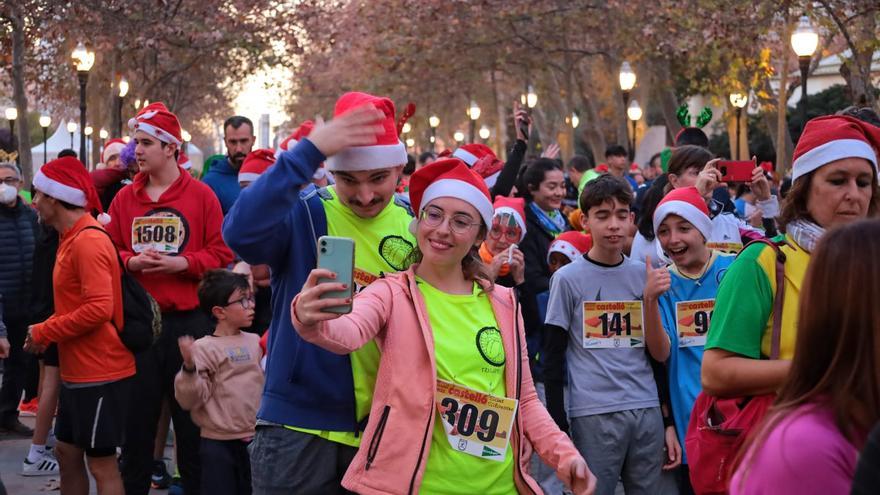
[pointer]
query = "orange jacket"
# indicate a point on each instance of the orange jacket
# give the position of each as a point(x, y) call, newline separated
point(88, 300)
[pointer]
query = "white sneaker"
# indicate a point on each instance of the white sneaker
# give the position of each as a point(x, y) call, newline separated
point(45, 466)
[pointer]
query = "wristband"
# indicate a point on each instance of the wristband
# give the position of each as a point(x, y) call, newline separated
point(668, 421)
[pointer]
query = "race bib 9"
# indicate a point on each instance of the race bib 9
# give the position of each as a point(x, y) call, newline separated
point(475, 423)
point(725, 247)
point(692, 319)
point(158, 233)
point(613, 324)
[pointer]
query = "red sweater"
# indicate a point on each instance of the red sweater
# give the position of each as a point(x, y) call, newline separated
point(199, 239)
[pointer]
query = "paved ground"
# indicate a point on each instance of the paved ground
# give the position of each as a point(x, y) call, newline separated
point(12, 452)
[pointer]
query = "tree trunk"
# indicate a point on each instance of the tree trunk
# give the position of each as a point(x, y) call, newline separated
point(591, 125)
point(19, 96)
point(857, 70)
point(666, 97)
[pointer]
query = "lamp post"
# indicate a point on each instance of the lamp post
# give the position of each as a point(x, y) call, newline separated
point(71, 128)
point(187, 137)
point(434, 123)
point(407, 127)
point(634, 112)
point(123, 90)
point(485, 133)
point(83, 59)
point(531, 97)
point(103, 134)
point(45, 122)
point(739, 101)
point(474, 114)
point(410, 142)
point(458, 137)
point(11, 115)
point(575, 120)
point(804, 41)
point(627, 79)
point(87, 133)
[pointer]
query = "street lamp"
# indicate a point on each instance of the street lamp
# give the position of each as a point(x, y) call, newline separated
point(531, 97)
point(474, 113)
point(103, 134)
point(458, 137)
point(804, 41)
point(123, 90)
point(484, 133)
point(739, 101)
point(83, 59)
point(634, 112)
point(575, 120)
point(86, 133)
point(187, 137)
point(410, 142)
point(45, 122)
point(434, 123)
point(627, 80)
point(71, 128)
point(406, 127)
point(11, 115)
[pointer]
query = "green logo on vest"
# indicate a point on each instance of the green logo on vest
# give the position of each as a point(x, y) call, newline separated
point(491, 346)
point(487, 452)
point(395, 250)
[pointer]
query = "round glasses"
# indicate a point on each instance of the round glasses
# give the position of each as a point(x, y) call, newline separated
point(459, 223)
point(245, 302)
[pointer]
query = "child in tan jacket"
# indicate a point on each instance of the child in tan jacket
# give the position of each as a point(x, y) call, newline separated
point(221, 382)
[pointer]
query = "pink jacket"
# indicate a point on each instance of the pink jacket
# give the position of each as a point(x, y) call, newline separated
point(397, 439)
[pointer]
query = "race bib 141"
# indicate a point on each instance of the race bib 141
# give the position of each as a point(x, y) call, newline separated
point(475, 423)
point(613, 324)
point(692, 319)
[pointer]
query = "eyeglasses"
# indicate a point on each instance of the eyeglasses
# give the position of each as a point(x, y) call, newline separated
point(11, 181)
point(245, 302)
point(459, 223)
point(510, 234)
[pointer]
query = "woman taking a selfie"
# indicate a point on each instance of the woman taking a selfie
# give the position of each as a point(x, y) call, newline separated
point(454, 410)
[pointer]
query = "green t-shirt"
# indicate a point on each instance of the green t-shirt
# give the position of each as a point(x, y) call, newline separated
point(381, 245)
point(469, 352)
point(742, 321)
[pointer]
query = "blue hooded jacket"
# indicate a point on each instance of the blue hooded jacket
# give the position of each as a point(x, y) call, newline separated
point(223, 180)
point(277, 224)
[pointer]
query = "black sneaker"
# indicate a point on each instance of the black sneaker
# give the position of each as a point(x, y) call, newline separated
point(160, 479)
point(16, 427)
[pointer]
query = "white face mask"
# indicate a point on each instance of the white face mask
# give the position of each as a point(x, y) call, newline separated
point(7, 193)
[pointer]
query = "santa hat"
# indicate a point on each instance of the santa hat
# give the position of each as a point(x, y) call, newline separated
point(602, 168)
point(155, 120)
point(66, 179)
point(255, 163)
point(489, 168)
point(184, 161)
point(635, 168)
point(450, 178)
point(112, 147)
point(388, 151)
point(470, 153)
point(687, 203)
point(834, 137)
point(302, 131)
point(516, 207)
point(572, 244)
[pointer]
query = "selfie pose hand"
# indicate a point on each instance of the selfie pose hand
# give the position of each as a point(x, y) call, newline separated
point(309, 307)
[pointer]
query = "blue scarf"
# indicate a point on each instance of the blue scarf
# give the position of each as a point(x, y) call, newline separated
point(554, 223)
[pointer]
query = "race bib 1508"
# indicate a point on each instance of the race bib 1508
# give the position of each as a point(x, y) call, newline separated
point(158, 233)
point(475, 423)
point(613, 324)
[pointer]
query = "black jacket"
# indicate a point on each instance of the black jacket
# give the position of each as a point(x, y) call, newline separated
point(18, 235)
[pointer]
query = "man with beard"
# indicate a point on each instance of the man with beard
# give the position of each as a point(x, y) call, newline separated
point(238, 134)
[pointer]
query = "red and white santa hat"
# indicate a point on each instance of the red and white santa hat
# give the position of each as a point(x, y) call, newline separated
point(450, 178)
point(255, 163)
point(834, 137)
point(470, 153)
point(302, 131)
point(687, 203)
point(516, 207)
point(572, 244)
point(388, 151)
point(155, 120)
point(184, 161)
point(112, 147)
point(66, 179)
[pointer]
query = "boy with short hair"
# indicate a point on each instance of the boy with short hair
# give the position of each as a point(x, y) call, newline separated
point(594, 323)
point(221, 382)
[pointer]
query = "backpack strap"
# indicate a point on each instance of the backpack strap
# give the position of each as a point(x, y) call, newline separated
point(99, 229)
point(779, 297)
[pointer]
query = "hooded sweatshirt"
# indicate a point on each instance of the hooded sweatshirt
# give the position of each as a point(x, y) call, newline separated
point(198, 240)
point(223, 180)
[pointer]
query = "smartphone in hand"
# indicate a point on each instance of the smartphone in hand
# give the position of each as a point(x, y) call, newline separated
point(736, 170)
point(337, 255)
